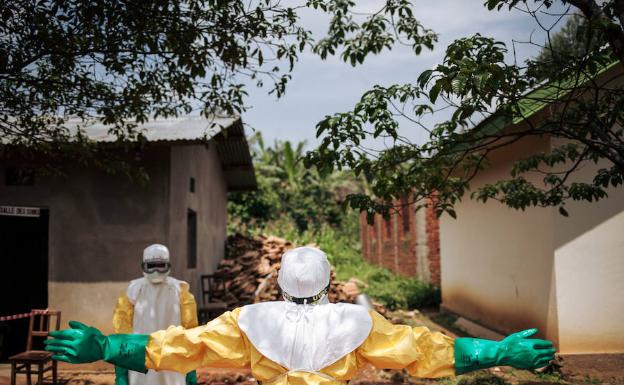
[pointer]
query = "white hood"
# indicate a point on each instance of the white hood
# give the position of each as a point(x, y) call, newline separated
point(305, 337)
point(308, 336)
point(304, 273)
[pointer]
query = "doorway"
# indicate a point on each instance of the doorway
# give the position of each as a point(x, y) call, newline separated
point(24, 272)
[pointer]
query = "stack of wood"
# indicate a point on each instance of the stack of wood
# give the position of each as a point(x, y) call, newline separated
point(250, 271)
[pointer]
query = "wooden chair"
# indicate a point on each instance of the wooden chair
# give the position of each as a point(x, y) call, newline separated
point(213, 290)
point(21, 363)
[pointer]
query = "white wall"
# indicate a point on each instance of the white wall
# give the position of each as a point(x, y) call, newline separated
point(510, 269)
point(590, 289)
point(497, 262)
point(589, 267)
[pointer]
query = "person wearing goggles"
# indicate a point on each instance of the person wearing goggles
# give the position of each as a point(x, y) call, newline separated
point(151, 303)
point(149, 268)
point(303, 340)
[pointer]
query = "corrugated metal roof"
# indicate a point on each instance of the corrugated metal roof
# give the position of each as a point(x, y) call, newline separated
point(236, 159)
point(159, 130)
point(227, 133)
point(549, 93)
point(539, 98)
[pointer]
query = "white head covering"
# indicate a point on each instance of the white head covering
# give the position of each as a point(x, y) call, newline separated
point(304, 273)
point(311, 335)
point(156, 253)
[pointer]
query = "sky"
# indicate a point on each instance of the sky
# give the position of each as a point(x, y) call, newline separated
point(324, 87)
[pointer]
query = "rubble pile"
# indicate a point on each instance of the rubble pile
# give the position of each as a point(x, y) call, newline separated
point(250, 267)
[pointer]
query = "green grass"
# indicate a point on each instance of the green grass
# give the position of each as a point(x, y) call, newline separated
point(482, 378)
point(342, 247)
point(588, 380)
point(549, 377)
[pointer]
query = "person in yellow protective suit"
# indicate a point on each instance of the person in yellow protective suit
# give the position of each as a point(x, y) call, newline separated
point(151, 303)
point(303, 340)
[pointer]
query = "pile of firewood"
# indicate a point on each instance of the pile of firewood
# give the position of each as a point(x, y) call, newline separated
point(250, 271)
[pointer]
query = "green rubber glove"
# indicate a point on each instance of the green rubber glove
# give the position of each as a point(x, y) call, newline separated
point(516, 350)
point(191, 378)
point(121, 376)
point(82, 344)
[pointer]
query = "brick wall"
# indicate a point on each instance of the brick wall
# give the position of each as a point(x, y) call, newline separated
point(364, 237)
point(406, 239)
point(433, 245)
point(394, 242)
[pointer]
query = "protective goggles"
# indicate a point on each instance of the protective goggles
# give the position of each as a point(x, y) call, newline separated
point(156, 267)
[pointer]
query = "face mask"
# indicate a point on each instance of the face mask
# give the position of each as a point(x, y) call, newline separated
point(156, 277)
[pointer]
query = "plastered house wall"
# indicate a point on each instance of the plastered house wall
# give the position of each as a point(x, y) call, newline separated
point(509, 270)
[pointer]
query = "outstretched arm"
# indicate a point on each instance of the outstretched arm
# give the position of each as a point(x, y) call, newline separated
point(219, 343)
point(424, 353)
point(516, 350)
point(421, 352)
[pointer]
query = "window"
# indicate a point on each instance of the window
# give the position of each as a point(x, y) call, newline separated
point(192, 185)
point(373, 230)
point(405, 211)
point(191, 239)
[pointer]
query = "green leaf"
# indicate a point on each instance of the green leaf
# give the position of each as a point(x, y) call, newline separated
point(424, 77)
point(434, 92)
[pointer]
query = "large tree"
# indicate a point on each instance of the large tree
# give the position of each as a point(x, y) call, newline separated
point(125, 62)
point(492, 99)
point(568, 44)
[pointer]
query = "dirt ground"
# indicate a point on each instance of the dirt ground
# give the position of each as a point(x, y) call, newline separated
point(607, 369)
point(575, 369)
point(581, 370)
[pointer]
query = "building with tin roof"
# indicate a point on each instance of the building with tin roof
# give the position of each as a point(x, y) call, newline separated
point(72, 241)
point(507, 270)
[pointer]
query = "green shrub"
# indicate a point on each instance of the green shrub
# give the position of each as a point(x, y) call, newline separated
point(397, 292)
point(343, 250)
point(300, 204)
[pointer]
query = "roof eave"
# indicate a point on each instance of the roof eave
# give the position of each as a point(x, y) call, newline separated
point(236, 160)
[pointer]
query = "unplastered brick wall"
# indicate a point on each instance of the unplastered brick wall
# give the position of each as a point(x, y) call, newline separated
point(408, 242)
point(433, 245)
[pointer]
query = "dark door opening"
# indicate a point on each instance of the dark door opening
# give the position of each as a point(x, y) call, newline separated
point(24, 274)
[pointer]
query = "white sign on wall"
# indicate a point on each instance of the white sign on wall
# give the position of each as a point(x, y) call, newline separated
point(19, 211)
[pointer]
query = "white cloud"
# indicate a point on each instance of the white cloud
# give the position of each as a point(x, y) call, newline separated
point(320, 88)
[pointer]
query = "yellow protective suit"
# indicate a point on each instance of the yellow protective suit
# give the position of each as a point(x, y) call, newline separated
point(176, 307)
point(124, 311)
point(221, 344)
